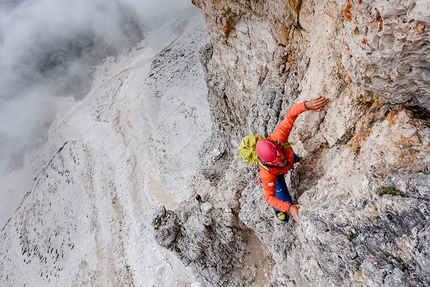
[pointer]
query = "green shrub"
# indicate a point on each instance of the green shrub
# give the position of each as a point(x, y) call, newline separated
point(387, 190)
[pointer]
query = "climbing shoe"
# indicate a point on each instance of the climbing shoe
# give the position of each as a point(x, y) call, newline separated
point(282, 216)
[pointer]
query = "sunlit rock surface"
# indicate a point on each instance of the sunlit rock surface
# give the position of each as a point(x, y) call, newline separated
point(364, 175)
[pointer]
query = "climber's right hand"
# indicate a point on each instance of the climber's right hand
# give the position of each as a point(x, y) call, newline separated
point(294, 211)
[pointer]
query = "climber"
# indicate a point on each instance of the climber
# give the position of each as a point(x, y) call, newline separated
point(198, 198)
point(276, 158)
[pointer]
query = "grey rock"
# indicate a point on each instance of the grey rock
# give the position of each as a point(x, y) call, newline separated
point(212, 241)
point(371, 59)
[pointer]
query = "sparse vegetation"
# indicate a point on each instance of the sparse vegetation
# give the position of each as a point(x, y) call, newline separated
point(157, 223)
point(347, 136)
point(398, 260)
point(351, 236)
point(387, 190)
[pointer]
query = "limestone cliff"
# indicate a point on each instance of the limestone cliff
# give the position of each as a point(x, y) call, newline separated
point(364, 177)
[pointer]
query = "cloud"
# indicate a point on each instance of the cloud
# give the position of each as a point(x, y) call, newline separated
point(47, 47)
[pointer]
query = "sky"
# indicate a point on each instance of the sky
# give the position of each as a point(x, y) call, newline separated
point(48, 50)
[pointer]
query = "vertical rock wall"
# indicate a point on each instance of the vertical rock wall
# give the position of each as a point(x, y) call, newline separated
point(364, 176)
point(386, 48)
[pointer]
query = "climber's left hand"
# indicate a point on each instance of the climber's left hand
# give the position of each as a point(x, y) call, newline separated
point(317, 103)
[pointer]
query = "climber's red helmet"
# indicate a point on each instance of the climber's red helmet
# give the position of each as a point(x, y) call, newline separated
point(269, 152)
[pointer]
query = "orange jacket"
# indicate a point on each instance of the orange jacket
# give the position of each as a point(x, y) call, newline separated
point(268, 176)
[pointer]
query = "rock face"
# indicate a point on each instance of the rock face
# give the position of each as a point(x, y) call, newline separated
point(364, 176)
point(384, 47)
point(212, 240)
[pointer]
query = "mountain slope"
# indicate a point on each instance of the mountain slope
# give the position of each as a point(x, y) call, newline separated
point(111, 159)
